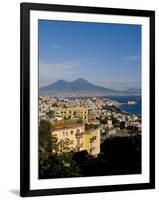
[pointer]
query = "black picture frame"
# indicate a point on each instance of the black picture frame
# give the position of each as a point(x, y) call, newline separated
point(25, 9)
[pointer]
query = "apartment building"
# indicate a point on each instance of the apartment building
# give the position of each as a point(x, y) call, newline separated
point(73, 113)
point(73, 137)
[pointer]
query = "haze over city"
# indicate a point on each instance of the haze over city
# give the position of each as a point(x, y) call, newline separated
point(103, 54)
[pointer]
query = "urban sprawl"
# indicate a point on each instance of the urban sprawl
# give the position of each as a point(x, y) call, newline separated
point(84, 123)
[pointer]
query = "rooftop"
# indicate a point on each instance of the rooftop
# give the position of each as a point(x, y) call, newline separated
point(66, 124)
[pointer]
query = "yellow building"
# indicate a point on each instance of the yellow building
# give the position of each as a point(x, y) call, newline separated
point(70, 137)
point(73, 137)
point(92, 141)
point(73, 113)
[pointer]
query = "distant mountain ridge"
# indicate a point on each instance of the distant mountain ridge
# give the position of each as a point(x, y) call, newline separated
point(134, 90)
point(78, 87)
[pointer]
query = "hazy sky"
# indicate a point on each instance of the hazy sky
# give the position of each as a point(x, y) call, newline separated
point(104, 54)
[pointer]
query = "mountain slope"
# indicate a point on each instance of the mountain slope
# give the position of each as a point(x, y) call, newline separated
point(79, 87)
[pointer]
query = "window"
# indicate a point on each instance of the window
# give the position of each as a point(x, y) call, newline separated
point(71, 132)
point(78, 130)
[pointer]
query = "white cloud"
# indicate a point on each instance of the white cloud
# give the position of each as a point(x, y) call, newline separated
point(89, 61)
point(131, 58)
point(51, 72)
point(119, 85)
point(56, 46)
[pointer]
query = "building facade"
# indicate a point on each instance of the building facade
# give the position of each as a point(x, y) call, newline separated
point(74, 112)
point(73, 137)
point(92, 141)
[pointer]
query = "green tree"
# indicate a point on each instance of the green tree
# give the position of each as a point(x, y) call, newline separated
point(54, 162)
point(46, 141)
point(115, 121)
point(122, 125)
point(133, 129)
point(51, 113)
point(63, 166)
point(91, 126)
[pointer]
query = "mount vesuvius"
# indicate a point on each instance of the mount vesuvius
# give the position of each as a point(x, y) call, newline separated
point(78, 88)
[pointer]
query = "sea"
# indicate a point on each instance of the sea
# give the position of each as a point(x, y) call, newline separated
point(134, 108)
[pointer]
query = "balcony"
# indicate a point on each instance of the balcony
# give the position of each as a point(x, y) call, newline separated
point(79, 135)
point(79, 145)
point(92, 139)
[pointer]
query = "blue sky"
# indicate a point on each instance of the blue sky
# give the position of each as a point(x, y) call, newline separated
point(104, 54)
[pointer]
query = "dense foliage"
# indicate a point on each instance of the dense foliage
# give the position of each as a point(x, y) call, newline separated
point(119, 155)
point(51, 163)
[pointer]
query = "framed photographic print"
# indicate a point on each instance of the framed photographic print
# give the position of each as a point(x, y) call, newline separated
point(87, 99)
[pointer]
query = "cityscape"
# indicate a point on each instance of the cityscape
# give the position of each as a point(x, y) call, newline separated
point(89, 126)
point(84, 125)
